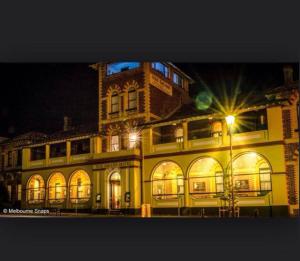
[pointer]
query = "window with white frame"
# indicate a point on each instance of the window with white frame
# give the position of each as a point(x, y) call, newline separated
point(133, 140)
point(115, 146)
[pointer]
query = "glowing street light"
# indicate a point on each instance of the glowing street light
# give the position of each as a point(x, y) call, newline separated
point(230, 121)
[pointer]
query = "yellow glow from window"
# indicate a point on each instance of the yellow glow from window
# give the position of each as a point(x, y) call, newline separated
point(133, 139)
point(253, 171)
point(80, 185)
point(35, 189)
point(167, 181)
point(57, 188)
point(205, 177)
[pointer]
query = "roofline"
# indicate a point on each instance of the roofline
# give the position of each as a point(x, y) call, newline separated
point(174, 66)
point(158, 123)
point(94, 66)
point(62, 139)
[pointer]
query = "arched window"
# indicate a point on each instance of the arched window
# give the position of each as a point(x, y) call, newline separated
point(205, 178)
point(80, 187)
point(132, 99)
point(251, 174)
point(57, 188)
point(35, 189)
point(114, 102)
point(115, 190)
point(167, 181)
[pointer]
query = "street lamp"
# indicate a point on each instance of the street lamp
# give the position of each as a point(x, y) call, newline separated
point(230, 121)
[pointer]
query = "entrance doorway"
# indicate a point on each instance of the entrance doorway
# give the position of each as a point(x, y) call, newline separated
point(115, 191)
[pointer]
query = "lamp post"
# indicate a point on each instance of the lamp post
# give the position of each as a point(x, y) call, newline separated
point(230, 121)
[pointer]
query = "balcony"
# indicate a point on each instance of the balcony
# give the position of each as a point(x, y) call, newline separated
point(106, 156)
point(250, 137)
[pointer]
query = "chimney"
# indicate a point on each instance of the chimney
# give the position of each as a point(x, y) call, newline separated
point(67, 123)
point(288, 74)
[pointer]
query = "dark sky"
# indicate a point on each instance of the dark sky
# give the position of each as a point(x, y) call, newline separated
point(37, 96)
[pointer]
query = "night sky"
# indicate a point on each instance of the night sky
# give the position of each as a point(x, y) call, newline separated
point(36, 97)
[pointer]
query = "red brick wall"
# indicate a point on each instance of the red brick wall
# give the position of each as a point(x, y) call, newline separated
point(287, 128)
point(136, 75)
point(104, 111)
point(141, 98)
point(161, 104)
point(291, 182)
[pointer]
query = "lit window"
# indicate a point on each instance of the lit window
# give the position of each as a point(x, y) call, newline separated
point(19, 192)
point(80, 187)
point(132, 104)
point(35, 189)
point(115, 190)
point(219, 182)
point(57, 188)
point(161, 68)
point(251, 174)
point(113, 68)
point(133, 139)
point(167, 181)
point(205, 178)
point(216, 129)
point(179, 135)
point(177, 79)
point(115, 143)
point(114, 102)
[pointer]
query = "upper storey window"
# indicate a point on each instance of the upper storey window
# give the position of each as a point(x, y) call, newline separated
point(132, 104)
point(38, 153)
point(177, 79)
point(115, 102)
point(161, 68)
point(113, 68)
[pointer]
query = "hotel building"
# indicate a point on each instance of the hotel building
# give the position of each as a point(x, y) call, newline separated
point(154, 150)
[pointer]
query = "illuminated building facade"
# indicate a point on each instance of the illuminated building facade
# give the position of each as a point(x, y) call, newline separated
point(153, 147)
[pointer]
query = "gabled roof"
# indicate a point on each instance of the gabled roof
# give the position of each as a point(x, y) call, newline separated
point(73, 132)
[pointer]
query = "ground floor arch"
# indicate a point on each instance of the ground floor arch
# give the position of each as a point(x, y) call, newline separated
point(79, 187)
point(251, 174)
point(205, 178)
point(57, 189)
point(167, 181)
point(35, 189)
point(114, 191)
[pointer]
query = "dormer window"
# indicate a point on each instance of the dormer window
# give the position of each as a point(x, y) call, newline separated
point(163, 69)
point(115, 102)
point(113, 68)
